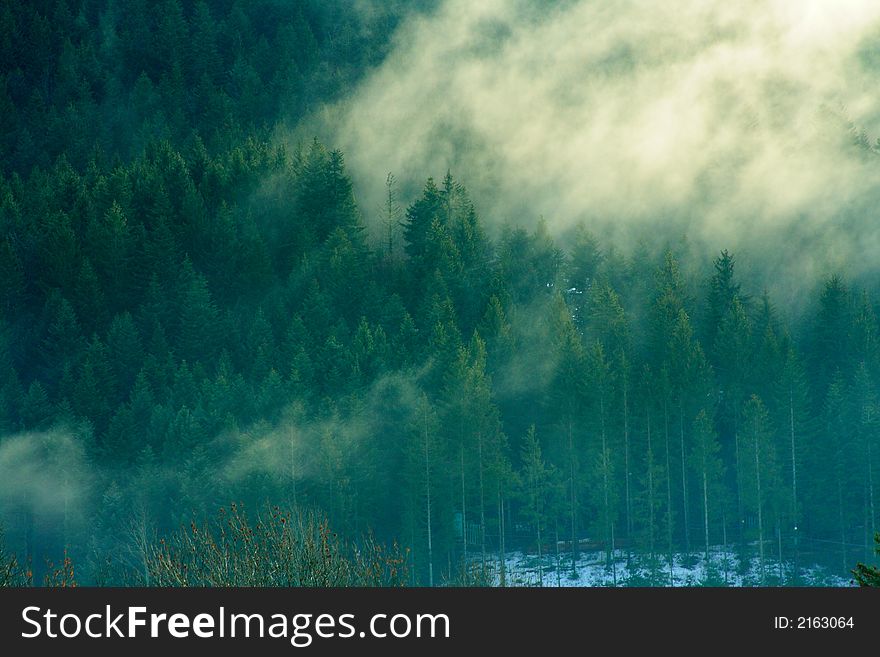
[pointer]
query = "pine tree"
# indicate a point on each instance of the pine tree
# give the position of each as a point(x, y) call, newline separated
point(170, 36)
point(475, 255)
point(759, 469)
point(866, 421)
point(205, 59)
point(36, 409)
point(324, 194)
point(198, 316)
point(63, 342)
point(535, 480)
point(11, 392)
point(682, 369)
point(12, 281)
point(733, 349)
point(709, 468)
point(392, 214)
point(585, 261)
point(420, 216)
point(830, 450)
point(868, 575)
point(424, 469)
point(793, 407)
point(125, 351)
point(88, 299)
point(58, 251)
point(830, 349)
point(598, 385)
point(723, 290)
point(565, 394)
point(608, 322)
point(110, 243)
point(530, 264)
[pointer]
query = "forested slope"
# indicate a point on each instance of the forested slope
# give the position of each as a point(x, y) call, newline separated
point(192, 313)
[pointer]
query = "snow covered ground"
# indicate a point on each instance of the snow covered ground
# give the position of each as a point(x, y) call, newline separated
point(723, 569)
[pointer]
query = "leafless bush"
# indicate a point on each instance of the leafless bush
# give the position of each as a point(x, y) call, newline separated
point(11, 571)
point(474, 574)
point(276, 548)
point(61, 576)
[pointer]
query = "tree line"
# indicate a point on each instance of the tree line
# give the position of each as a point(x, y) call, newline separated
point(510, 387)
point(207, 315)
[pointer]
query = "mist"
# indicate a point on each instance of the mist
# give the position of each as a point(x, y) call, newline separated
point(44, 473)
point(732, 124)
point(54, 500)
point(204, 302)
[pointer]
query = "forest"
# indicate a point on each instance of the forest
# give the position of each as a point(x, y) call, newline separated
point(202, 326)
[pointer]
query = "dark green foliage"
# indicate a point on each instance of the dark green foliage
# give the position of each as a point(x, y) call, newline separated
point(868, 575)
point(206, 313)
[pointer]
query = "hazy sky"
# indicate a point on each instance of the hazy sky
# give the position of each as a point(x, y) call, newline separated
point(727, 121)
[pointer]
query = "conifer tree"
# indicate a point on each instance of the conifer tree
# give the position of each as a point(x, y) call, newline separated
point(759, 470)
point(709, 468)
point(566, 398)
point(535, 481)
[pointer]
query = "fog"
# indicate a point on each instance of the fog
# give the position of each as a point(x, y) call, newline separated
point(43, 473)
point(54, 500)
point(732, 123)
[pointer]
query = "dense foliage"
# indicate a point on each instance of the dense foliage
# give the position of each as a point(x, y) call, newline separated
point(868, 575)
point(201, 312)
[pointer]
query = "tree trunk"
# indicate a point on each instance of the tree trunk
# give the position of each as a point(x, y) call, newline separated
point(482, 503)
point(842, 526)
point(613, 565)
point(540, 556)
point(293, 470)
point(871, 493)
point(724, 544)
point(412, 533)
point(779, 551)
point(428, 491)
point(558, 561)
point(794, 502)
point(668, 496)
point(537, 508)
point(760, 505)
point(739, 485)
point(684, 490)
point(706, 507)
point(501, 556)
point(574, 542)
point(605, 465)
point(650, 490)
point(65, 524)
point(464, 534)
point(628, 504)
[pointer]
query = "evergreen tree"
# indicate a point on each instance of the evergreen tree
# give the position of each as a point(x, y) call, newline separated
point(198, 316)
point(830, 349)
point(709, 468)
point(723, 291)
point(36, 409)
point(125, 351)
point(868, 575)
point(535, 481)
point(759, 476)
point(565, 396)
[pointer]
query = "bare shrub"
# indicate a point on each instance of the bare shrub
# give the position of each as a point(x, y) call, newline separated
point(276, 548)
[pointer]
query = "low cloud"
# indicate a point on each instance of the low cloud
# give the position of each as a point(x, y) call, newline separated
point(44, 473)
point(732, 123)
